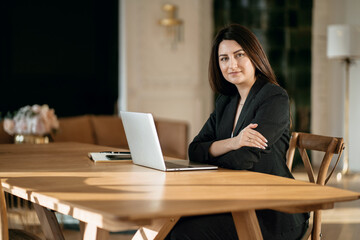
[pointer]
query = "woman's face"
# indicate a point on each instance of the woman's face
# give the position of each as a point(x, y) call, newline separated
point(235, 65)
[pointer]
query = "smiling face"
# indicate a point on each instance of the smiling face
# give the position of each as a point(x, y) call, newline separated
point(235, 65)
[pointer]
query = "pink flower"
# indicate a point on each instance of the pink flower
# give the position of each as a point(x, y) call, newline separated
point(38, 126)
point(37, 120)
point(36, 108)
point(21, 126)
point(9, 126)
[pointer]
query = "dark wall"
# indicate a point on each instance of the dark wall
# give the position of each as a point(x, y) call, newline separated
point(60, 53)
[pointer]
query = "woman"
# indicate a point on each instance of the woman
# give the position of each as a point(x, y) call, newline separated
point(249, 129)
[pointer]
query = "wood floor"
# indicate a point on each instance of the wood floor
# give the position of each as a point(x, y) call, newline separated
point(340, 223)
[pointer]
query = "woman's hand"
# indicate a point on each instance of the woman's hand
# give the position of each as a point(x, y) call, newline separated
point(250, 138)
point(247, 137)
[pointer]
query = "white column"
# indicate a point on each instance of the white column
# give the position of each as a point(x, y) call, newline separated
point(170, 83)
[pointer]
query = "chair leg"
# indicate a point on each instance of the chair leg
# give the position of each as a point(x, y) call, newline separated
point(307, 235)
point(316, 232)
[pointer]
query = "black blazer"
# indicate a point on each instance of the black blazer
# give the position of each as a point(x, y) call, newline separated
point(268, 106)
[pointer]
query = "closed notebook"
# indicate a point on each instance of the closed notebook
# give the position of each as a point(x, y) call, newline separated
point(109, 157)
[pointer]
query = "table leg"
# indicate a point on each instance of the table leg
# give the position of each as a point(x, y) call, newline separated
point(159, 229)
point(49, 223)
point(92, 232)
point(247, 225)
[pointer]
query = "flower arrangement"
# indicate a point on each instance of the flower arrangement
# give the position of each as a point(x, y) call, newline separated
point(32, 120)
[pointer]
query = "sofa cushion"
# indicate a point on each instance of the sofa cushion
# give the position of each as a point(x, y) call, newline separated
point(109, 131)
point(173, 137)
point(75, 129)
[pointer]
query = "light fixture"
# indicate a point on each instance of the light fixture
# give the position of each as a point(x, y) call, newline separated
point(172, 24)
point(344, 44)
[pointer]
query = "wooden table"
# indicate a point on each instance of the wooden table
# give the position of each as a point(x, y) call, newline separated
point(118, 196)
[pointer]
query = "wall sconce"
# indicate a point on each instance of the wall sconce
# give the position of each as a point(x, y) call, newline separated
point(173, 26)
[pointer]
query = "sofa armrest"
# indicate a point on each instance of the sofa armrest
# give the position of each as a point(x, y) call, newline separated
point(4, 136)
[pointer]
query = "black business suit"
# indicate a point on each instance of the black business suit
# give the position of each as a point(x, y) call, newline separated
point(268, 106)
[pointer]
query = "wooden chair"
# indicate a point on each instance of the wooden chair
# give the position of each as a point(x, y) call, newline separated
point(328, 145)
point(12, 234)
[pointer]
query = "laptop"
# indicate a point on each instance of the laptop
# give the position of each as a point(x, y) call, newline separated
point(145, 147)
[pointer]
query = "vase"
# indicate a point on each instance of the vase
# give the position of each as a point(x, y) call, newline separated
point(35, 139)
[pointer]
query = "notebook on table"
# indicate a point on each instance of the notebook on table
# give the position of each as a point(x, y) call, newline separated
point(109, 156)
point(145, 147)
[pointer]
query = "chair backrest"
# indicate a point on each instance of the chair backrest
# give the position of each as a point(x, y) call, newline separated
point(328, 145)
point(307, 141)
point(4, 233)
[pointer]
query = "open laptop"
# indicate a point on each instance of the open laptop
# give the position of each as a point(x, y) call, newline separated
point(145, 147)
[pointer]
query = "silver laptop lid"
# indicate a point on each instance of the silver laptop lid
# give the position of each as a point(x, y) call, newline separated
point(143, 139)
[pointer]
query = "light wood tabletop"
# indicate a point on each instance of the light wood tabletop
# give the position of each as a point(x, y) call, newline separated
point(121, 196)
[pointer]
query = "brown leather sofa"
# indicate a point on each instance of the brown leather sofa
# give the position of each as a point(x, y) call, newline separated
point(4, 137)
point(108, 130)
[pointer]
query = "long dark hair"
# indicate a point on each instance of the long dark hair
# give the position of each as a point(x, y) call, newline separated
point(253, 49)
